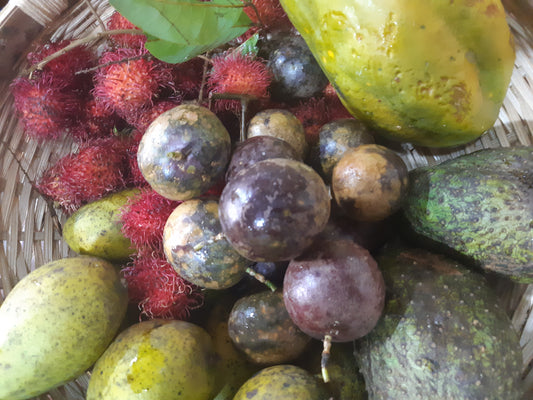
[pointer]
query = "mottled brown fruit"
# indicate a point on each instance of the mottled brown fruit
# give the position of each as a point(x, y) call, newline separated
point(260, 326)
point(334, 139)
point(184, 152)
point(369, 182)
point(196, 248)
point(281, 382)
point(281, 124)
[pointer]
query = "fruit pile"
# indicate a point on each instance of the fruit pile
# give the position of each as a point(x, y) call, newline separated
point(254, 227)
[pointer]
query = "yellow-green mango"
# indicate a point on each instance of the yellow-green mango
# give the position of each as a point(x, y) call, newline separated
point(156, 359)
point(430, 72)
point(56, 322)
point(95, 228)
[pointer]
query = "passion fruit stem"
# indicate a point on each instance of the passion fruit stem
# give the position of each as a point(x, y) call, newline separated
point(325, 358)
point(261, 279)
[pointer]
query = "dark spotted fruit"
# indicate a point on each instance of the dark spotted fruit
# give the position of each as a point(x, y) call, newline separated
point(272, 210)
point(260, 326)
point(197, 250)
point(184, 152)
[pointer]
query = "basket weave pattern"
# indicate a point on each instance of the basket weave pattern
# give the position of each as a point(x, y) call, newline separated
point(28, 228)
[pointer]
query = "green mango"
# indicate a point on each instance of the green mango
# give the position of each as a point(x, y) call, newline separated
point(56, 322)
point(433, 73)
point(95, 228)
point(280, 382)
point(478, 206)
point(156, 359)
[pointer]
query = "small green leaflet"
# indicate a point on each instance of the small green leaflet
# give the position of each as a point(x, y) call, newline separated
point(178, 30)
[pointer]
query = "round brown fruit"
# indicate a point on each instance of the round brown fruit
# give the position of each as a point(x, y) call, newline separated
point(369, 182)
point(184, 152)
point(272, 210)
point(281, 124)
point(197, 250)
point(334, 138)
point(335, 288)
point(260, 326)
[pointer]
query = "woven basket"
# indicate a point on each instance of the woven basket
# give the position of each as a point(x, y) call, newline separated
point(28, 228)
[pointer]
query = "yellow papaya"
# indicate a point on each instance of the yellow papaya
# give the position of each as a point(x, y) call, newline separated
point(429, 72)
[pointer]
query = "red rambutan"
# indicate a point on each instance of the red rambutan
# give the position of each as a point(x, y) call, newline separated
point(188, 78)
point(313, 113)
point(95, 121)
point(130, 79)
point(267, 13)
point(144, 217)
point(95, 170)
point(135, 176)
point(117, 21)
point(44, 105)
point(158, 290)
point(66, 66)
point(142, 117)
point(239, 74)
point(335, 106)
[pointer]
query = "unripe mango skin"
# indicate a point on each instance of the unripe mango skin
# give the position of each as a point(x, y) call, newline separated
point(433, 73)
point(95, 228)
point(156, 359)
point(56, 322)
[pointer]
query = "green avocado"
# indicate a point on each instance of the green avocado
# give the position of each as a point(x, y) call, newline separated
point(433, 73)
point(95, 228)
point(442, 334)
point(56, 322)
point(480, 206)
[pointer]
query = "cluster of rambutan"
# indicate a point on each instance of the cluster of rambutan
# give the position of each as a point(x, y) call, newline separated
point(105, 101)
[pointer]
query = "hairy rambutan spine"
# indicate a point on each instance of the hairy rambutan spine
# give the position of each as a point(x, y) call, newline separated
point(45, 106)
point(129, 79)
point(118, 21)
point(144, 217)
point(158, 290)
point(237, 74)
point(267, 14)
point(95, 170)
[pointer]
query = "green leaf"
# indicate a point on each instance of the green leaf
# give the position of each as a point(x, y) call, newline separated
point(249, 47)
point(181, 29)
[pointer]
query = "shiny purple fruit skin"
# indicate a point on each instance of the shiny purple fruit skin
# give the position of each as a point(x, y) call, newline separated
point(334, 289)
point(272, 210)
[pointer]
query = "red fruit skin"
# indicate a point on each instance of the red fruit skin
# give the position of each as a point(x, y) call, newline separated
point(268, 14)
point(44, 105)
point(87, 175)
point(141, 118)
point(158, 290)
point(68, 66)
point(336, 289)
point(312, 113)
point(334, 104)
point(134, 175)
point(117, 21)
point(129, 80)
point(144, 217)
point(188, 78)
point(235, 73)
point(95, 121)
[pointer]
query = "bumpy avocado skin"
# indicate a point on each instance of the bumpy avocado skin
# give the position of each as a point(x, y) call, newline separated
point(442, 335)
point(480, 206)
point(433, 73)
point(56, 322)
point(95, 229)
